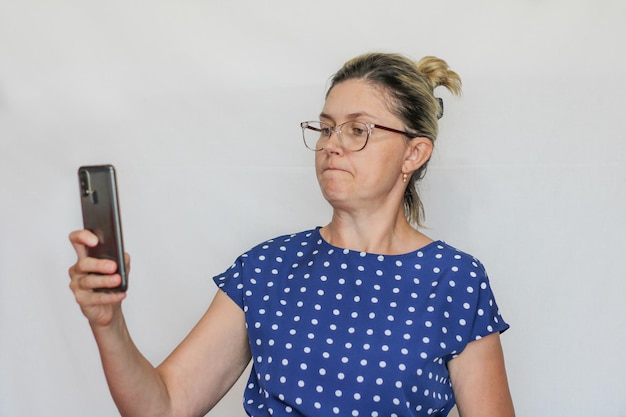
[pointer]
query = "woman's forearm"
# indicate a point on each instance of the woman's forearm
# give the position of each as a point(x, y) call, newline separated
point(136, 386)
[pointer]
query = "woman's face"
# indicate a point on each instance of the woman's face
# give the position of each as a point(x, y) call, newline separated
point(373, 175)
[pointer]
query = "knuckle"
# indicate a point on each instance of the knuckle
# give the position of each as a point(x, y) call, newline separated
point(85, 265)
point(80, 298)
point(75, 285)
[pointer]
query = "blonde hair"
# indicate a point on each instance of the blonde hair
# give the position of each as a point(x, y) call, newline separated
point(409, 88)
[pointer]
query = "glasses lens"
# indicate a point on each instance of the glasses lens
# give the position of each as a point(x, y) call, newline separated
point(354, 135)
point(315, 134)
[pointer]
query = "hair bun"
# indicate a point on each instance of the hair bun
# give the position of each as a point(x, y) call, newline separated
point(438, 73)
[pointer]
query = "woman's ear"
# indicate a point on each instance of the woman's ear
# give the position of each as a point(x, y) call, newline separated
point(418, 153)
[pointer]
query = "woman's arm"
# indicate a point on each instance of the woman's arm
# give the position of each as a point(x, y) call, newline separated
point(479, 380)
point(191, 380)
point(209, 361)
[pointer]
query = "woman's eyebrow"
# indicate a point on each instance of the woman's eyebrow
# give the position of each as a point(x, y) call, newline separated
point(326, 116)
point(350, 116)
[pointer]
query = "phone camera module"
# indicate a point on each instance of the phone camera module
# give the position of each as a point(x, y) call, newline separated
point(85, 186)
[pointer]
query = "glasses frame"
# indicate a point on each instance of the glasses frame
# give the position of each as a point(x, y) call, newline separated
point(337, 131)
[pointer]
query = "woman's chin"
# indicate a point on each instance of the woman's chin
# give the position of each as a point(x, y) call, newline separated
point(335, 197)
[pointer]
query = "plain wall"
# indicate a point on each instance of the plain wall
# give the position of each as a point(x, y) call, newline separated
point(198, 105)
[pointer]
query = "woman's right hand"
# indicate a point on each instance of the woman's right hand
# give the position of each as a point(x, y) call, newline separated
point(87, 274)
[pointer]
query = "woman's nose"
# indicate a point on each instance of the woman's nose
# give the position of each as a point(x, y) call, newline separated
point(333, 143)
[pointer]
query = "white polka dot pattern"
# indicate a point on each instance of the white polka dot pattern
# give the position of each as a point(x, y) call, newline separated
point(339, 332)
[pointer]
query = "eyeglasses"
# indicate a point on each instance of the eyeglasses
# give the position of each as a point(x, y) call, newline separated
point(352, 135)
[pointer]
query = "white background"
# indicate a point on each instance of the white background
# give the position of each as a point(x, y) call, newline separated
point(198, 105)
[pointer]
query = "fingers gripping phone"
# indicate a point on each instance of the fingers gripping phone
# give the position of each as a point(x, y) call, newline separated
point(101, 216)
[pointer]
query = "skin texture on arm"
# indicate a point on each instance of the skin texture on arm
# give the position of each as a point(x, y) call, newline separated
point(194, 377)
point(479, 380)
point(209, 360)
point(191, 380)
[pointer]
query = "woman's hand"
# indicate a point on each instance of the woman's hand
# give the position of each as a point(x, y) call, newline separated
point(87, 274)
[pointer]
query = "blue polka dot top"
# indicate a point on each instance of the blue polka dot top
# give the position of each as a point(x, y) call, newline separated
point(339, 332)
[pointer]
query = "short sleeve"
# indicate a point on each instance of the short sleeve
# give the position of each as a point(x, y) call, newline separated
point(470, 311)
point(231, 281)
point(487, 318)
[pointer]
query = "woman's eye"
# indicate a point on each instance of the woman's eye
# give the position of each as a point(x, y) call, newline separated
point(358, 131)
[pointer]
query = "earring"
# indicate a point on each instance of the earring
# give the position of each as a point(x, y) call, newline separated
point(405, 176)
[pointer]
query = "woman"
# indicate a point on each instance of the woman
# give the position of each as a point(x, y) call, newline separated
point(365, 316)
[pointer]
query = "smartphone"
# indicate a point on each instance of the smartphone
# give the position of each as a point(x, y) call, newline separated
point(101, 215)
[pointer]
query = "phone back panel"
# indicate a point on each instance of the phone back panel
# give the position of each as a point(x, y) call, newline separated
point(101, 215)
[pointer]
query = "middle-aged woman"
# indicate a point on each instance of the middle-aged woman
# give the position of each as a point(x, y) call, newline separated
point(365, 316)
